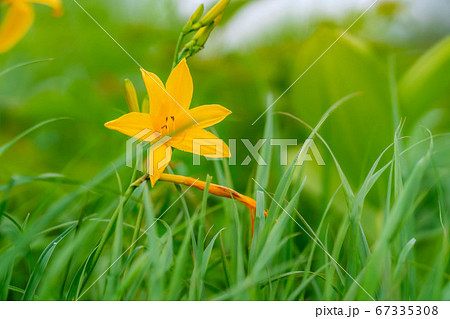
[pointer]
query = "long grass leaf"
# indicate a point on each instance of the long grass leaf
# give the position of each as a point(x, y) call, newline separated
point(41, 264)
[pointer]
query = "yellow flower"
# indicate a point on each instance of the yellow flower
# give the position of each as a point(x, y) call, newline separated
point(171, 117)
point(18, 19)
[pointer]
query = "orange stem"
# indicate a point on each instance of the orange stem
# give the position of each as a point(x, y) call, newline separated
point(214, 189)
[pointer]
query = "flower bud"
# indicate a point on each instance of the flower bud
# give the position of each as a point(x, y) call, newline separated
point(145, 107)
point(197, 14)
point(203, 34)
point(214, 12)
point(131, 97)
point(217, 19)
point(193, 19)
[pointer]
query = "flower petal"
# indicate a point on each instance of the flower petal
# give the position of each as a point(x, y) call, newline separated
point(159, 99)
point(201, 142)
point(179, 85)
point(16, 23)
point(133, 124)
point(56, 5)
point(208, 115)
point(204, 116)
point(158, 159)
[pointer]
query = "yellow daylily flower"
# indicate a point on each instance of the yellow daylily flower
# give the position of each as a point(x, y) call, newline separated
point(18, 19)
point(171, 117)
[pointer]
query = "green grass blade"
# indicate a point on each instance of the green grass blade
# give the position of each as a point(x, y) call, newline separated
point(24, 64)
point(207, 254)
point(41, 264)
point(6, 146)
point(263, 171)
point(400, 212)
point(402, 259)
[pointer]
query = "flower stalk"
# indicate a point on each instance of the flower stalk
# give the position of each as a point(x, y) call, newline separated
point(214, 189)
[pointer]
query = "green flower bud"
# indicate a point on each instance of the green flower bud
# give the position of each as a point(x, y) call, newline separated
point(145, 107)
point(131, 97)
point(203, 34)
point(214, 12)
point(193, 19)
point(197, 14)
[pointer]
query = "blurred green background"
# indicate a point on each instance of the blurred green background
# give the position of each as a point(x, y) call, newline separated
point(396, 55)
point(84, 81)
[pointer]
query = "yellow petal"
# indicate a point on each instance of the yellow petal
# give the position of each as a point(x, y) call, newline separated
point(204, 116)
point(179, 85)
point(160, 102)
point(56, 5)
point(159, 157)
point(208, 115)
point(133, 124)
point(201, 142)
point(16, 23)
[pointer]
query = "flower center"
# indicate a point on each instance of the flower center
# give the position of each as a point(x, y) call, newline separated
point(169, 125)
